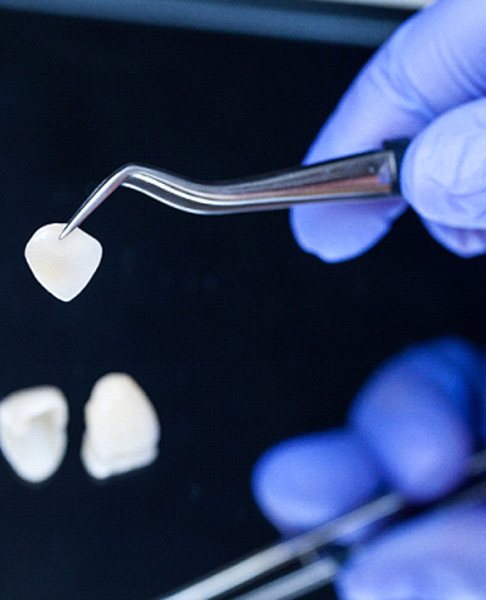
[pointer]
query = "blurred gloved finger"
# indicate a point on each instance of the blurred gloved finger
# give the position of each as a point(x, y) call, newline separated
point(413, 414)
point(430, 65)
point(481, 417)
point(444, 178)
point(305, 481)
point(463, 242)
point(423, 397)
point(438, 556)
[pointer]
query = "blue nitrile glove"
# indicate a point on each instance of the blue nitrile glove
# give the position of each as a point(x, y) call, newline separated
point(427, 83)
point(412, 428)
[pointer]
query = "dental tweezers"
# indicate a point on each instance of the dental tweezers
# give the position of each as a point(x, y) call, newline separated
point(370, 175)
point(313, 559)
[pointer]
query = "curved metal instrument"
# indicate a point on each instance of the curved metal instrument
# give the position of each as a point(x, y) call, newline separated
point(372, 175)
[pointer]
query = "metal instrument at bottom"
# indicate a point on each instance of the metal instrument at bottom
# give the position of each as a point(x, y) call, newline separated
point(311, 555)
point(371, 175)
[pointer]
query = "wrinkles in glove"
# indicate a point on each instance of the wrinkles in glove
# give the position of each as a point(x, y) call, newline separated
point(427, 83)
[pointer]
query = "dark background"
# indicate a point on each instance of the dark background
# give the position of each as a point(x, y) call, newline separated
point(239, 338)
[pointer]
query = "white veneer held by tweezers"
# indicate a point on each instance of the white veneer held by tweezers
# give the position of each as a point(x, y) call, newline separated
point(63, 267)
point(122, 427)
point(33, 435)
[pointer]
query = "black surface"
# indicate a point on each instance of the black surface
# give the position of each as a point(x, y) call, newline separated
point(239, 337)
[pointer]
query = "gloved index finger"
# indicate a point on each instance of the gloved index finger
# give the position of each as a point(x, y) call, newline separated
point(433, 63)
point(414, 415)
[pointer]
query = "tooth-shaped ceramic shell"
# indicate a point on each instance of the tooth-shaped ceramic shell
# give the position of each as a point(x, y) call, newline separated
point(33, 435)
point(63, 267)
point(122, 428)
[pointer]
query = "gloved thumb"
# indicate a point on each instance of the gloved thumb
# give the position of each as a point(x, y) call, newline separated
point(444, 178)
point(439, 555)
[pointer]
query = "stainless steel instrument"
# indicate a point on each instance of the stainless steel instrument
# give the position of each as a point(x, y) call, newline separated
point(368, 176)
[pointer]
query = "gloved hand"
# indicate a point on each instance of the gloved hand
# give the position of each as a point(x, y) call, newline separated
point(428, 82)
point(411, 429)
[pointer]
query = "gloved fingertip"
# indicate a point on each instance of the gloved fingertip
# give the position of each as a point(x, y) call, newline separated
point(455, 364)
point(466, 243)
point(413, 415)
point(305, 481)
point(443, 176)
point(440, 555)
point(338, 232)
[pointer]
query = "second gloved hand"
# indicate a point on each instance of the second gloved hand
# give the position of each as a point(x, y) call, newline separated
point(412, 428)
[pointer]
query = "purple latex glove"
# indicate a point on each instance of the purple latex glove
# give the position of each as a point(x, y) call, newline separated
point(411, 429)
point(427, 83)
